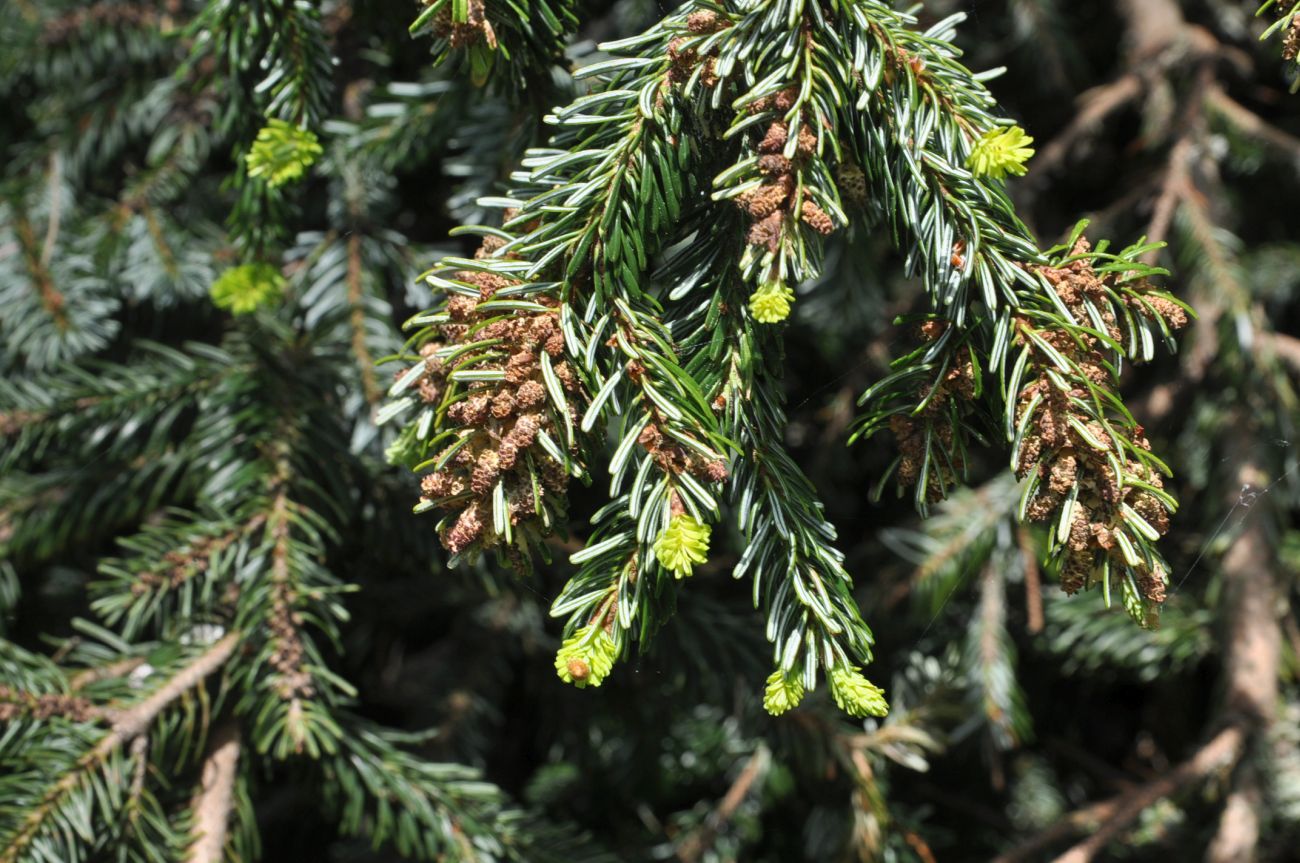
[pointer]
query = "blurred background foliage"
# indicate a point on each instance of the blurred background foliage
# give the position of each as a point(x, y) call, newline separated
point(1022, 722)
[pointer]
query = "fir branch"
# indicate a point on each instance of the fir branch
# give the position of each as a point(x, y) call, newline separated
point(178, 570)
point(513, 47)
point(1288, 24)
point(991, 656)
point(61, 812)
point(285, 40)
point(431, 811)
point(38, 261)
point(85, 402)
point(287, 690)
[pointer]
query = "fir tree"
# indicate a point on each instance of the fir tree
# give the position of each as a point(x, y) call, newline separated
point(273, 273)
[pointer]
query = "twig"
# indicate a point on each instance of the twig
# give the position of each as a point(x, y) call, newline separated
point(56, 206)
point(1033, 582)
point(1153, 26)
point(1077, 821)
point(216, 797)
point(121, 668)
point(993, 618)
point(1253, 641)
point(1108, 817)
point(692, 848)
point(1095, 105)
point(1238, 833)
point(128, 724)
point(139, 752)
point(1287, 349)
point(1173, 189)
point(51, 300)
point(357, 320)
point(966, 804)
point(1251, 123)
point(920, 846)
point(1115, 778)
point(1223, 750)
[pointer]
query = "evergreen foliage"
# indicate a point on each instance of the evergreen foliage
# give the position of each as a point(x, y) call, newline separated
point(595, 288)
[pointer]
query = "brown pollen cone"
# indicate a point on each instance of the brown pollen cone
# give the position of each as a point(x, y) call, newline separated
point(497, 422)
point(1065, 460)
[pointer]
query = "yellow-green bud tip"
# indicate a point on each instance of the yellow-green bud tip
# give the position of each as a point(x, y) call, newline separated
point(282, 153)
point(1000, 151)
point(783, 692)
point(246, 288)
point(587, 657)
point(856, 695)
point(770, 304)
point(682, 544)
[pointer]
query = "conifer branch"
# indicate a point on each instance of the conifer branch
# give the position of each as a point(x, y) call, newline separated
point(804, 121)
point(685, 267)
point(57, 802)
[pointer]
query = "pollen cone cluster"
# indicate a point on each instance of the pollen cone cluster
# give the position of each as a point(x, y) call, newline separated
point(474, 28)
point(1072, 453)
point(498, 423)
point(933, 426)
point(769, 205)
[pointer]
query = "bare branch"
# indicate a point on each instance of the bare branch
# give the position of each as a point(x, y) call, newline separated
point(87, 676)
point(1033, 582)
point(1238, 832)
point(216, 797)
point(1223, 750)
point(692, 848)
point(1251, 123)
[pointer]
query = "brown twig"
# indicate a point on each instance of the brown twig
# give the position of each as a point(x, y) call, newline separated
point(692, 848)
point(51, 299)
point(1251, 123)
point(993, 618)
point(1287, 349)
point(1076, 822)
point(1112, 816)
point(920, 846)
point(1173, 189)
point(357, 320)
point(1033, 582)
point(1238, 833)
point(216, 796)
point(293, 681)
point(1253, 644)
point(56, 207)
point(121, 668)
point(1152, 27)
point(1252, 653)
point(1095, 105)
point(130, 723)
